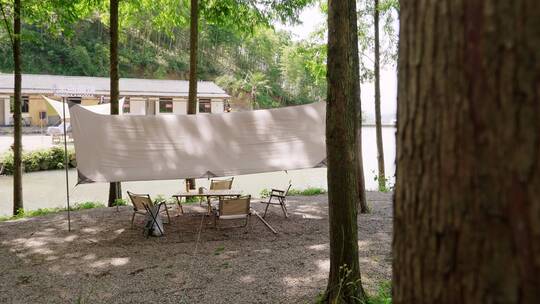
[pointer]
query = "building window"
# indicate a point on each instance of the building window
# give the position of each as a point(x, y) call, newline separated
point(165, 105)
point(126, 107)
point(24, 106)
point(205, 106)
point(74, 99)
point(104, 99)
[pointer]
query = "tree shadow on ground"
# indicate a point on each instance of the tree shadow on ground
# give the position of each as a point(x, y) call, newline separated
point(104, 260)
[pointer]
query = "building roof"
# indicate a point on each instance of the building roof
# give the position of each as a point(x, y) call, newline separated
point(53, 84)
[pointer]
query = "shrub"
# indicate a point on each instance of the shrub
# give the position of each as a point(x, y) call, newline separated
point(21, 213)
point(49, 159)
point(384, 294)
point(120, 202)
point(308, 191)
point(7, 163)
point(87, 205)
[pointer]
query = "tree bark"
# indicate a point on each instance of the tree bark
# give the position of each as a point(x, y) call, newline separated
point(115, 189)
point(344, 283)
point(467, 202)
point(17, 141)
point(378, 127)
point(362, 201)
point(193, 49)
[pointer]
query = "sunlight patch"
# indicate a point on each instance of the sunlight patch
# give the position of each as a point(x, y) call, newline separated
point(323, 265)
point(119, 261)
point(318, 247)
point(247, 279)
point(70, 238)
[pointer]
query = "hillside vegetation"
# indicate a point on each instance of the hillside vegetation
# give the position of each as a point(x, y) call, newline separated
point(264, 68)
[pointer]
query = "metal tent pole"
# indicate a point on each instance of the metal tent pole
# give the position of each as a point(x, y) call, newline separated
point(66, 163)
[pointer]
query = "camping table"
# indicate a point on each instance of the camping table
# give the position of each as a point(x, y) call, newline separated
point(208, 194)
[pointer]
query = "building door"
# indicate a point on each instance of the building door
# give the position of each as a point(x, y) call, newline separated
point(150, 107)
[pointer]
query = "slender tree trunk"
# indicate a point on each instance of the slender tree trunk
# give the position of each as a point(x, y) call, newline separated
point(344, 284)
point(362, 201)
point(378, 127)
point(467, 202)
point(115, 189)
point(193, 49)
point(17, 142)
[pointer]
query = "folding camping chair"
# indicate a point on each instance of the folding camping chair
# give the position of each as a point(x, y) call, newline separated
point(220, 184)
point(233, 209)
point(142, 204)
point(281, 196)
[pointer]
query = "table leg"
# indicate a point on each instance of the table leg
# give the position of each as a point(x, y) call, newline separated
point(209, 206)
point(179, 205)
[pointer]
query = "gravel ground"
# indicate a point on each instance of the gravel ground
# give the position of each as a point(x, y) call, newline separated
point(103, 260)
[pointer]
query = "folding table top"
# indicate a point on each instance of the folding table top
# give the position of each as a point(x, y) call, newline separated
point(209, 193)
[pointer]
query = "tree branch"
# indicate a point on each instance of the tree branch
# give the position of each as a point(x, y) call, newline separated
point(6, 23)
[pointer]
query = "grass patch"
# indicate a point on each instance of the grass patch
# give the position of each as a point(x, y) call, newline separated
point(120, 202)
point(384, 294)
point(87, 205)
point(219, 250)
point(310, 191)
point(191, 200)
point(44, 211)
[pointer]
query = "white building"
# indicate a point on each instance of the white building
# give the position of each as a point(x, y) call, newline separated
point(143, 96)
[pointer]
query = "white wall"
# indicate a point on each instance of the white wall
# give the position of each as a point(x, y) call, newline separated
point(217, 105)
point(137, 106)
point(179, 106)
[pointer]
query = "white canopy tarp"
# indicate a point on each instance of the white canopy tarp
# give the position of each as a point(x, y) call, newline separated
point(104, 108)
point(132, 148)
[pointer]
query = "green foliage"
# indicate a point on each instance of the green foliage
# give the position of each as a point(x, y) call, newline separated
point(310, 191)
point(264, 66)
point(21, 213)
point(384, 294)
point(219, 250)
point(120, 202)
point(303, 66)
point(347, 289)
point(160, 198)
point(87, 205)
point(191, 200)
point(49, 159)
point(383, 183)
point(264, 193)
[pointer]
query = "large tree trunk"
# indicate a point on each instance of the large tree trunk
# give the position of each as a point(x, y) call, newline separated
point(467, 203)
point(378, 128)
point(362, 201)
point(344, 284)
point(17, 141)
point(193, 49)
point(115, 189)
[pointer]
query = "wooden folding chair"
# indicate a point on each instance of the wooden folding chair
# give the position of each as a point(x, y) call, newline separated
point(281, 197)
point(233, 209)
point(220, 184)
point(142, 203)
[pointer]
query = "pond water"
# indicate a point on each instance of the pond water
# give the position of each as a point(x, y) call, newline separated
point(47, 189)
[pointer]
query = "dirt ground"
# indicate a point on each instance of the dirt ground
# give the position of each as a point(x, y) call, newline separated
point(103, 260)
